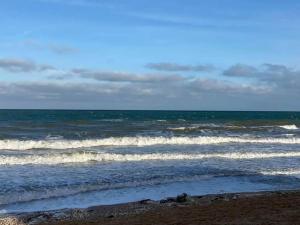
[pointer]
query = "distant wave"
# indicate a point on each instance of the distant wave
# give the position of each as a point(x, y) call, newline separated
point(289, 127)
point(183, 128)
point(205, 126)
point(11, 144)
point(106, 157)
point(230, 127)
point(112, 120)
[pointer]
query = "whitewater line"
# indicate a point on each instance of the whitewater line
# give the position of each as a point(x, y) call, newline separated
point(11, 144)
point(106, 157)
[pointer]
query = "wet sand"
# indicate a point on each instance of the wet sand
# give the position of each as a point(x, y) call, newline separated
point(263, 208)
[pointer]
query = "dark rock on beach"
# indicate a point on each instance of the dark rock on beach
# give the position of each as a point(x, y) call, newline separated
point(182, 198)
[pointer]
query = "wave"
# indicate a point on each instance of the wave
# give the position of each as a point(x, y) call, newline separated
point(84, 157)
point(54, 137)
point(112, 120)
point(183, 128)
point(11, 144)
point(282, 172)
point(203, 126)
point(56, 192)
point(61, 192)
point(230, 127)
point(289, 127)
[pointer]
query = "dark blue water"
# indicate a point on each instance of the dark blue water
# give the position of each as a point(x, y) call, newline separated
point(36, 124)
point(63, 155)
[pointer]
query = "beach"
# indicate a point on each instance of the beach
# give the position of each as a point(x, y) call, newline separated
point(255, 208)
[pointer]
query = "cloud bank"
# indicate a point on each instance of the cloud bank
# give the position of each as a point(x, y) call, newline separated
point(174, 67)
point(263, 87)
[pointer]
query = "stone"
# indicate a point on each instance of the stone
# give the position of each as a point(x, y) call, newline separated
point(145, 201)
point(182, 198)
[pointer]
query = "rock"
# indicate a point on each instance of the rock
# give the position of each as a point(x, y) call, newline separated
point(145, 201)
point(171, 199)
point(163, 201)
point(182, 198)
point(168, 200)
point(179, 199)
point(37, 219)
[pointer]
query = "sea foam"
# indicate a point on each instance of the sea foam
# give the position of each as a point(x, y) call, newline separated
point(289, 127)
point(137, 141)
point(113, 157)
point(287, 172)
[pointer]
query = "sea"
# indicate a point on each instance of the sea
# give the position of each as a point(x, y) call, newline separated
point(54, 159)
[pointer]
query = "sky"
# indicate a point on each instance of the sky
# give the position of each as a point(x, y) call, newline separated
point(141, 54)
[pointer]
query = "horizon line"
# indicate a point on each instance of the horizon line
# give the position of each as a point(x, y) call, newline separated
point(166, 110)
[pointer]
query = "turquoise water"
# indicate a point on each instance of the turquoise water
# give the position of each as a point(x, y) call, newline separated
point(64, 155)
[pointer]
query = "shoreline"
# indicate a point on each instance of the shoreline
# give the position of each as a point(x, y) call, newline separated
point(267, 207)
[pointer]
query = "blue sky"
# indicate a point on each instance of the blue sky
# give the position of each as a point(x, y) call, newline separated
point(138, 54)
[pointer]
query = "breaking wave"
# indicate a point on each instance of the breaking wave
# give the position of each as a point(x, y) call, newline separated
point(287, 172)
point(230, 127)
point(289, 127)
point(11, 144)
point(82, 157)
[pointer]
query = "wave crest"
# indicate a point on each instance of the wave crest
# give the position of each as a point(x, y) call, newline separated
point(289, 127)
point(106, 157)
point(137, 141)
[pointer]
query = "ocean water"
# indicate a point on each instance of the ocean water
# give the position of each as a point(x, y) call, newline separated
point(51, 159)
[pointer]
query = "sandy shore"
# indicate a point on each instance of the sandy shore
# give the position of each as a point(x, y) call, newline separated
point(281, 207)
